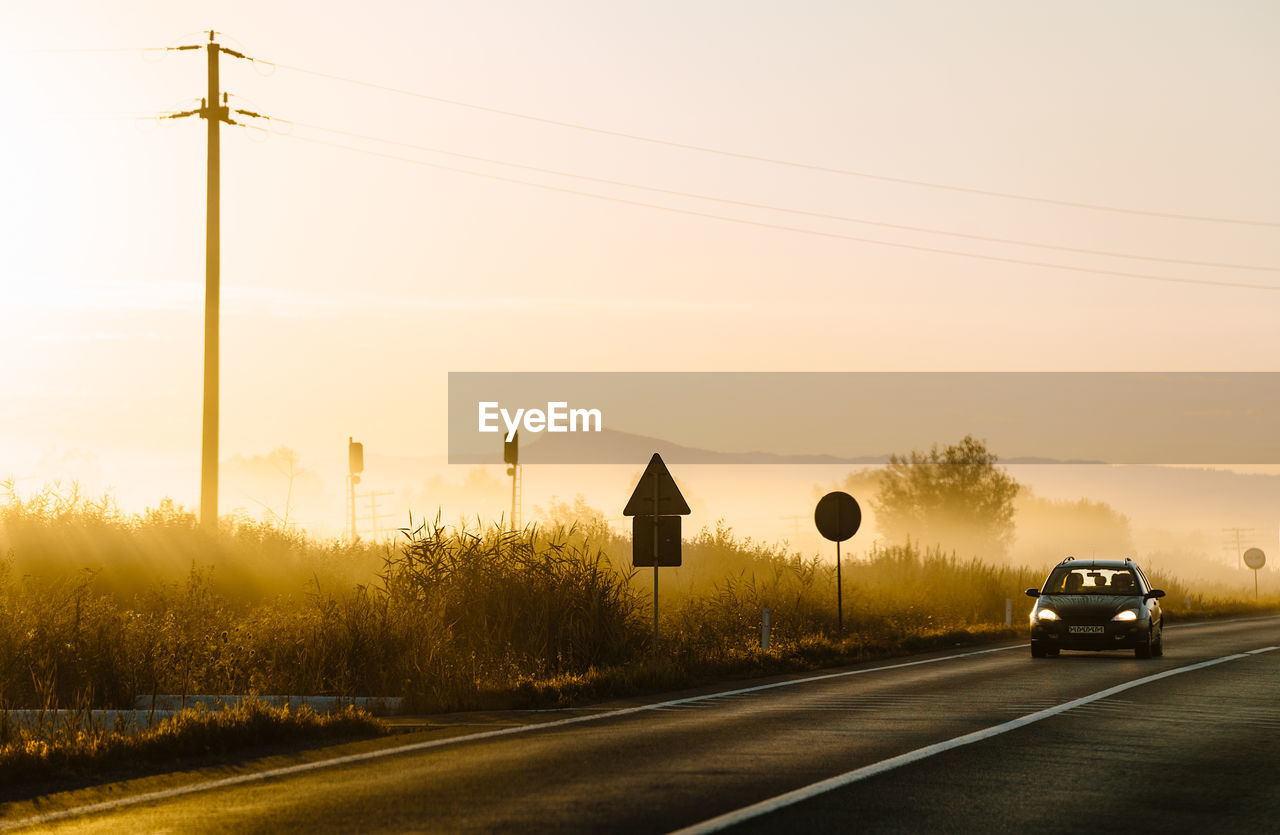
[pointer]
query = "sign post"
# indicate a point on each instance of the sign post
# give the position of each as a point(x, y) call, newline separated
point(838, 518)
point(511, 455)
point(355, 466)
point(656, 506)
point(1255, 559)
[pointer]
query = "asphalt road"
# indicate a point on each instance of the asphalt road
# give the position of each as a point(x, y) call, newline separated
point(984, 741)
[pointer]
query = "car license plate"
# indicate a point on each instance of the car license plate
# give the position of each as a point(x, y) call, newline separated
point(1085, 630)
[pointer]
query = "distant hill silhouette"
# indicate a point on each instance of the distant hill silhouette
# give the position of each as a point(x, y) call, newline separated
point(613, 447)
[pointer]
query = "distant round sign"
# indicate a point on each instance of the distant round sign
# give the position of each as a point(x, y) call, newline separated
point(837, 516)
point(1254, 558)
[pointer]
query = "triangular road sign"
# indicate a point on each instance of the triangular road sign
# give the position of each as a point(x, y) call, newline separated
point(657, 493)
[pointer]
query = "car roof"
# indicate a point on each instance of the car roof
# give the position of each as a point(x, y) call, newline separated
point(1099, 564)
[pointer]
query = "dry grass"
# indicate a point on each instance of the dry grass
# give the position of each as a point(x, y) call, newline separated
point(97, 607)
point(75, 746)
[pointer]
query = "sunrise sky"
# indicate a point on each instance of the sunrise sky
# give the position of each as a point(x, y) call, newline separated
point(353, 283)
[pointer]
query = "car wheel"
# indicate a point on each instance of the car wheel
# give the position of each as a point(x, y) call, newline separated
point(1038, 650)
point(1143, 649)
point(1053, 653)
point(1158, 649)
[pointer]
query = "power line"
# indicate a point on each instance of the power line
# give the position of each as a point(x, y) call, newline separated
point(776, 161)
point(107, 115)
point(772, 208)
point(171, 47)
point(727, 153)
point(784, 228)
point(56, 50)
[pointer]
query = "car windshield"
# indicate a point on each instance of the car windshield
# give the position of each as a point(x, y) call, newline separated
point(1068, 580)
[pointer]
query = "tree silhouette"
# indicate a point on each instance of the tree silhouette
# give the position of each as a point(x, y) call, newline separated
point(956, 497)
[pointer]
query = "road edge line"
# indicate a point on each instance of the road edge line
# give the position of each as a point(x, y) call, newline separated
point(299, 768)
point(1211, 622)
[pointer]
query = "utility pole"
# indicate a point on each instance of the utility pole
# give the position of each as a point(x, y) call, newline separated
point(1239, 553)
point(214, 110)
point(374, 515)
point(795, 527)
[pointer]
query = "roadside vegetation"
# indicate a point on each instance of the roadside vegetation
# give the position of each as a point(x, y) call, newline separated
point(57, 747)
point(99, 608)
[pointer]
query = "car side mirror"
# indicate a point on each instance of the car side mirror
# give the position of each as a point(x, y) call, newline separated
point(1033, 592)
point(1155, 593)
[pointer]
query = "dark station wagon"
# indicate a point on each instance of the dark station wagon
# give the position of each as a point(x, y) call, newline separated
point(1097, 605)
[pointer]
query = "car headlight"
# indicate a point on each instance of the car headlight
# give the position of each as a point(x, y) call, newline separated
point(1046, 614)
point(1127, 614)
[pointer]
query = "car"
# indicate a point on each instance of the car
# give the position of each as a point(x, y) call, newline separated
point(1097, 605)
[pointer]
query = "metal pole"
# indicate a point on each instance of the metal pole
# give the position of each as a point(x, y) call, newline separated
point(655, 566)
point(839, 593)
point(351, 481)
point(515, 488)
point(655, 602)
point(209, 445)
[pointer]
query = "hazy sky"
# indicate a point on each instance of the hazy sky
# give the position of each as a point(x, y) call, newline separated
point(353, 283)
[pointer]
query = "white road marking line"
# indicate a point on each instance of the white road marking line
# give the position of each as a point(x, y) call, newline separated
point(283, 771)
point(1200, 623)
point(208, 785)
point(722, 822)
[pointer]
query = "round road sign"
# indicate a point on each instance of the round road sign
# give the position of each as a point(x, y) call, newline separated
point(1254, 558)
point(837, 516)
